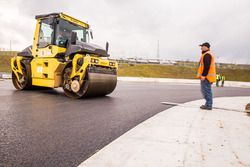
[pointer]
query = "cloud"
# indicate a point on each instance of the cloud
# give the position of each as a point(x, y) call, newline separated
point(133, 27)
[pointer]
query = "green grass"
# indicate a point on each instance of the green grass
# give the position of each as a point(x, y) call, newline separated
point(155, 71)
point(5, 63)
point(235, 74)
point(169, 71)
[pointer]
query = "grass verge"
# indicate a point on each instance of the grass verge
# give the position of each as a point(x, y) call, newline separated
point(172, 71)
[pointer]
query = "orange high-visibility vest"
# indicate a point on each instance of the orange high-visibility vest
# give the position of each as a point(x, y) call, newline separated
point(211, 76)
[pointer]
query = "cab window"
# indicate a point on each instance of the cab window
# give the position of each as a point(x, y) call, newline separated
point(63, 33)
point(45, 34)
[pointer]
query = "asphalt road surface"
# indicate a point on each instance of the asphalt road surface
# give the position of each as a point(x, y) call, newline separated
point(46, 128)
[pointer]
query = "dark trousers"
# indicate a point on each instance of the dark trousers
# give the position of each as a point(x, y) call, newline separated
point(222, 83)
point(206, 91)
point(217, 83)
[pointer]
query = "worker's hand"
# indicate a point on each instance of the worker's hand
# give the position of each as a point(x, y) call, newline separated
point(203, 78)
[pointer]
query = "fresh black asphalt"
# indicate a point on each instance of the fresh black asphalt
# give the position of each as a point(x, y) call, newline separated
point(46, 128)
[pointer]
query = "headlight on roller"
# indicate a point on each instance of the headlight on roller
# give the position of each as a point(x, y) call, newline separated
point(111, 63)
point(95, 61)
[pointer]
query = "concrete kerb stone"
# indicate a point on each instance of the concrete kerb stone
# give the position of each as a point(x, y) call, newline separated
point(181, 81)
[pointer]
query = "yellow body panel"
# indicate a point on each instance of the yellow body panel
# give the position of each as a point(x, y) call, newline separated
point(81, 71)
point(49, 51)
point(47, 72)
point(74, 20)
point(18, 68)
point(102, 62)
point(35, 39)
point(89, 60)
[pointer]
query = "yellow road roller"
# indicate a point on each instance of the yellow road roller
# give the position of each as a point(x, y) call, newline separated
point(62, 56)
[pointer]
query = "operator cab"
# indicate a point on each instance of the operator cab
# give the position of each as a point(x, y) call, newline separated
point(60, 35)
point(59, 32)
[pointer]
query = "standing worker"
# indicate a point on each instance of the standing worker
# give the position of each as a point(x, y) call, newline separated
point(218, 78)
point(223, 78)
point(207, 74)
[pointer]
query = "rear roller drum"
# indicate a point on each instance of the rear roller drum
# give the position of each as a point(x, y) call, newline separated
point(25, 78)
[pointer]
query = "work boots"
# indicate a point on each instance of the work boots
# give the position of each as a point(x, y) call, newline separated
point(204, 107)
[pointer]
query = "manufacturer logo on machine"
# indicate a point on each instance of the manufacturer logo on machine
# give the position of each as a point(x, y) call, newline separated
point(45, 53)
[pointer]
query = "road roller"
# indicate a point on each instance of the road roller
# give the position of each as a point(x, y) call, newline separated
point(62, 56)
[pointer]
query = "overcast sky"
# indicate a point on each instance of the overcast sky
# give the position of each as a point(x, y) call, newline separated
point(132, 27)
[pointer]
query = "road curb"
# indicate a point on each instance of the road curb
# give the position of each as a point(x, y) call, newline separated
point(181, 81)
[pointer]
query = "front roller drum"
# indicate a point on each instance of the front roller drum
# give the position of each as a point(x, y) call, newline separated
point(99, 84)
point(94, 84)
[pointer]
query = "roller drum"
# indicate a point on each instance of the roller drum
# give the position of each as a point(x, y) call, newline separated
point(97, 82)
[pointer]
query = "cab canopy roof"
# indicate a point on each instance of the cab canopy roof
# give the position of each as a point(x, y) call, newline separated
point(63, 16)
